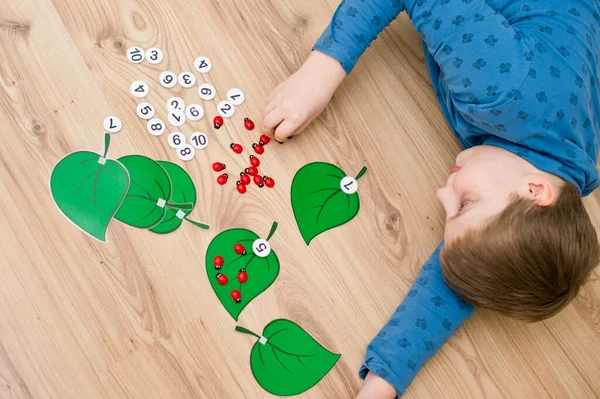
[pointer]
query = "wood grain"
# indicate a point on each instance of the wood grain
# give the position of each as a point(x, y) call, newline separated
point(136, 318)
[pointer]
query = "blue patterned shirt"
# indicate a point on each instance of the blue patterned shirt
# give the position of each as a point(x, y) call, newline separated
point(518, 74)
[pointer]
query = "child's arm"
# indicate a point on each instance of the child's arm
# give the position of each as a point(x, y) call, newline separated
point(429, 315)
point(302, 97)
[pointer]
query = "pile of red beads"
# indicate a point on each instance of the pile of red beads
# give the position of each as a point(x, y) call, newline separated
point(251, 173)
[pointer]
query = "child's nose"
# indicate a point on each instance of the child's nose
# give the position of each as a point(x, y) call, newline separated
point(444, 195)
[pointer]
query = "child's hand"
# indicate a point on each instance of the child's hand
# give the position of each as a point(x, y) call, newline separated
point(376, 387)
point(303, 96)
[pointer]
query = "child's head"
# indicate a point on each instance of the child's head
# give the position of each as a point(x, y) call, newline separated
point(517, 240)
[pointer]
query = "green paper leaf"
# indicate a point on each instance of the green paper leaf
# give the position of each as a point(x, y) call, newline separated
point(87, 192)
point(149, 184)
point(183, 197)
point(262, 271)
point(318, 200)
point(290, 361)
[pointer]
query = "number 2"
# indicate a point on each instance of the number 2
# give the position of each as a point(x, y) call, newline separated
point(226, 108)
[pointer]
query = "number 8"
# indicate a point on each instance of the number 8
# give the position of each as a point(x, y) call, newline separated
point(185, 151)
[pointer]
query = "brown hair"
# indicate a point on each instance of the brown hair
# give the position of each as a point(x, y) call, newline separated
point(529, 261)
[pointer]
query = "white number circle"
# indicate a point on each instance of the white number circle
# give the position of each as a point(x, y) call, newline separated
point(175, 103)
point(156, 127)
point(261, 248)
point(194, 112)
point(154, 55)
point(145, 111)
point(226, 109)
point(176, 117)
point(135, 54)
point(112, 124)
point(236, 96)
point(139, 89)
point(168, 79)
point(187, 79)
point(186, 153)
point(203, 64)
point(349, 185)
point(176, 140)
point(199, 140)
point(206, 91)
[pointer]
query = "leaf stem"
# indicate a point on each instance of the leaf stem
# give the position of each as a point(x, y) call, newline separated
point(183, 207)
point(106, 144)
point(198, 224)
point(245, 331)
point(273, 228)
point(362, 172)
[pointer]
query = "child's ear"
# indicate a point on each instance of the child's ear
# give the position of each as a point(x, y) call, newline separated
point(540, 190)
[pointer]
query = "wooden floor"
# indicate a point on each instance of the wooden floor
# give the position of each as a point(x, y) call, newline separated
point(136, 318)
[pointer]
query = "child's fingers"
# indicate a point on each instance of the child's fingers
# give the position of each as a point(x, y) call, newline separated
point(272, 120)
point(285, 129)
point(268, 108)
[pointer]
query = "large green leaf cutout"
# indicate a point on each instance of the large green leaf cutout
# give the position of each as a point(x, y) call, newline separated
point(88, 189)
point(318, 200)
point(262, 271)
point(286, 360)
point(149, 192)
point(183, 198)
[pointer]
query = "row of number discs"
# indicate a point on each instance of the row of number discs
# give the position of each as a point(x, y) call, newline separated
point(185, 151)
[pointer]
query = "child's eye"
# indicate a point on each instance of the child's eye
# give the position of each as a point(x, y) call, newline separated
point(463, 204)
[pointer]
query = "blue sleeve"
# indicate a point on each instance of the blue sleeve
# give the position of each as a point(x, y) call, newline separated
point(355, 24)
point(449, 28)
point(429, 315)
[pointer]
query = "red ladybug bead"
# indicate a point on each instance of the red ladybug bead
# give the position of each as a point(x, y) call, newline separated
point(258, 180)
point(244, 178)
point(259, 149)
point(242, 276)
point(248, 124)
point(241, 187)
point(254, 161)
point(252, 171)
point(218, 166)
point(218, 122)
point(237, 148)
point(222, 279)
point(269, 182)
point(218, 262)
point(264, 139)
point(239, 249)
point(222, 179)
point(236, 296)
